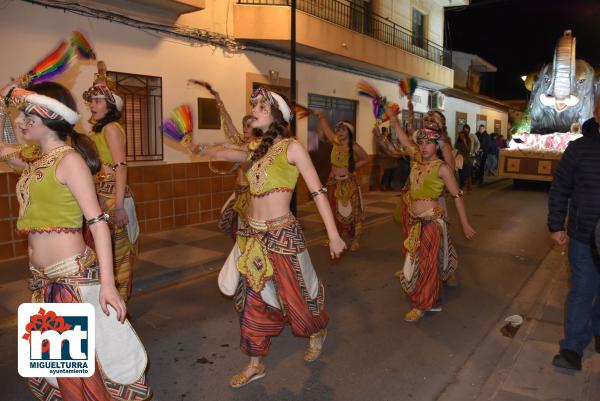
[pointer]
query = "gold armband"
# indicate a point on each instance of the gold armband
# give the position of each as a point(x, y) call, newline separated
point(115, 166)
point(9, 156)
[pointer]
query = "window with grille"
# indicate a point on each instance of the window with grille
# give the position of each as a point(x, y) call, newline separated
point(418, 28)
point(417, 120)
point(142, 114)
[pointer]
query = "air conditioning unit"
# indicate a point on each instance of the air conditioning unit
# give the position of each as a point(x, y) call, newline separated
point(437, 100)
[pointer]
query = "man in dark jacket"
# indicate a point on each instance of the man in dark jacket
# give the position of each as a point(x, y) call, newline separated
point(576, 187)
point(484, 142)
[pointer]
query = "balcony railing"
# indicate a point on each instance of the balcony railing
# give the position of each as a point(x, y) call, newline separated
point(363, 20)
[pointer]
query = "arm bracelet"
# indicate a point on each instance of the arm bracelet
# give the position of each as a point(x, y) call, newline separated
point(320, 191)
point(460, 194)
point(101, 217)
point(10, 156)
point(115, 166)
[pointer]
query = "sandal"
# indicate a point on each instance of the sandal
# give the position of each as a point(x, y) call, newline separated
point(413, 315)
point(313, 351)
point(240, 379)
point(354, 246)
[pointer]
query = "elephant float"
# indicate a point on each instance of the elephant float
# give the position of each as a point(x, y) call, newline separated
point(562, 93)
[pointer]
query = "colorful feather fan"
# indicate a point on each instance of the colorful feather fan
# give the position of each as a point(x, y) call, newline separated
point(395, 108)
point(52, 65)
point(365, 89)
point(82, 46)
point(379, 102)
point(301, 111)
point(58, 60)
point(408, 86)
point(179, 125)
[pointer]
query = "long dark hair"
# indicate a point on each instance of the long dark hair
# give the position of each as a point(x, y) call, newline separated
point(64, 130)
point(112, 115)
point(279, 127)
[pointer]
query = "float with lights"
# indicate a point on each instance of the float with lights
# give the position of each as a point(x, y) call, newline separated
point(562, 98)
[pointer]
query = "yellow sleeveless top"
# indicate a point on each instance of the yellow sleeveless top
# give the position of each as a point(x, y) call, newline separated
point(45, 204)
point(273, 172)
point(340, 154)
point(102, 146)
point(425, 182)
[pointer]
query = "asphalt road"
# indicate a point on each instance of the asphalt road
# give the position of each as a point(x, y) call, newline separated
point(191, 331)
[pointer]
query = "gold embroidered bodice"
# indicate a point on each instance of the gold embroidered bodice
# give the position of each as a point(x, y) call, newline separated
point(340, 154)
point(45, 204)
point(425, 182)
point(273, 172)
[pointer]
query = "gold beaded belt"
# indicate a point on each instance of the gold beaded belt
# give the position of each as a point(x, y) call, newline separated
point(272, 224)
point(81, 268)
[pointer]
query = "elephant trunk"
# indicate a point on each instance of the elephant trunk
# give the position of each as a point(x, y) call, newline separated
point(562, 89)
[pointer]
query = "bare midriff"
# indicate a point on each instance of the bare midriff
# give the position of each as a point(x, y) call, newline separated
point(422, 205)
point(271, 206)
point(339, 171)
point(46, 249)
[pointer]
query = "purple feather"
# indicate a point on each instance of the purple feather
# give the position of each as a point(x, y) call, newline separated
point(170, 129)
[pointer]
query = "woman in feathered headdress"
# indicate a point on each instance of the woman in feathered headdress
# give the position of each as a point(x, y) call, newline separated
point(55, 193)
point(430, 256)
point(114, 194)
point(277, 281)
point(342, 186)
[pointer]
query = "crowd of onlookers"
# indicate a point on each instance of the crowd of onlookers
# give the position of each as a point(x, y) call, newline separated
point(476, 154)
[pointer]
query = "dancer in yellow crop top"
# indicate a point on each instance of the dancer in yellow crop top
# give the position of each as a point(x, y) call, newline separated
point(55, 193)
point(430, 256)
point(277, 284)
point(234, 210)
point(114, 195)
point(343, 189)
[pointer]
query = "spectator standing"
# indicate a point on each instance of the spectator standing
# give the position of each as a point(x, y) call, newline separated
point(462, 151)
point(388, 157)
point(493, 154)
point(484, 142)
point(576, 190)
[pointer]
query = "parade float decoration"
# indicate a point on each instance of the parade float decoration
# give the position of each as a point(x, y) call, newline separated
point(562, 98)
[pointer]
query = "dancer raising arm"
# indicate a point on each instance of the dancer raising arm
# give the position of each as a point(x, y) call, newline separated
point(234, 210)
point(343, 188)
point(430, 256)
point(278, 284)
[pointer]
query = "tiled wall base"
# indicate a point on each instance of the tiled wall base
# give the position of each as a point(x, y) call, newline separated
point(167, 196)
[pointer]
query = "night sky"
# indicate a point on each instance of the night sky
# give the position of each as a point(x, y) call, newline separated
point(519, 36)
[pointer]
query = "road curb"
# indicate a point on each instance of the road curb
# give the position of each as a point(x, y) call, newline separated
point(487, 366)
